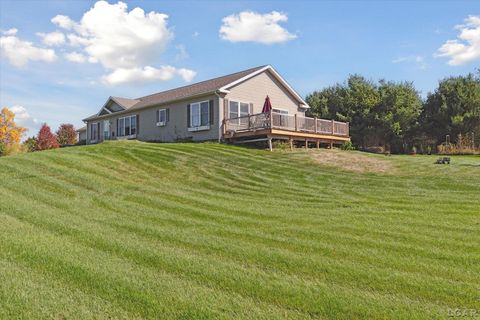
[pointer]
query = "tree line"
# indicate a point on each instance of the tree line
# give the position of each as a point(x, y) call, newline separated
point(387, 116)
point(11, 135)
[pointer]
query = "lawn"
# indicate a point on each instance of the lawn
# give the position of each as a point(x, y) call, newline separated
point(138, 230)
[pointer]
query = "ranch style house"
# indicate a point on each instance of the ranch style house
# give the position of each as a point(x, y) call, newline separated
point(248, 106)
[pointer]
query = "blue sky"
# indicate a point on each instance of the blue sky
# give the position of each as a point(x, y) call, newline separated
point(312, 44)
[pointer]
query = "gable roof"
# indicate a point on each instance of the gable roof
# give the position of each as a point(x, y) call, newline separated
point(221, 84)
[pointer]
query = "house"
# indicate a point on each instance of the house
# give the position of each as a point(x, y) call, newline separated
point(228, 108)
point(82, 135)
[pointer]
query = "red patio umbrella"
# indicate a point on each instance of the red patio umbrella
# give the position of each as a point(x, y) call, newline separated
point(267, 106)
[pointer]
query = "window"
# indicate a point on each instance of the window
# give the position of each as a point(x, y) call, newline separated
point(238, 109)
point(106, 129)
point(200, 115)
point(127, 126)
point(282, 118)
point(94, 131)
point(162, 117)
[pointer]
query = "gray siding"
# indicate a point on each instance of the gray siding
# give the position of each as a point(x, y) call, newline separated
point(175, 129)
point(253, 91)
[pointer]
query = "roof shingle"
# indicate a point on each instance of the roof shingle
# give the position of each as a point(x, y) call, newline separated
point(195, 89)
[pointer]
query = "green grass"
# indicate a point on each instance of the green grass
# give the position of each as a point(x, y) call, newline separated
point(138, 230)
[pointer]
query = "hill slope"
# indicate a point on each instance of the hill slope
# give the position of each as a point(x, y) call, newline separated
point(137, 230)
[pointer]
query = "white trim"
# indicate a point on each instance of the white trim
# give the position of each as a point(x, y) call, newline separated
point(201, 128)
point(130, 126)
point(198, 128)
point(105, 105)
point(132, 136)
point(239, 102)
point(303, 104)
point(162, 123)
point(279, 109)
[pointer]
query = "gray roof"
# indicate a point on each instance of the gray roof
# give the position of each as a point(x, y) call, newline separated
point(195, 89)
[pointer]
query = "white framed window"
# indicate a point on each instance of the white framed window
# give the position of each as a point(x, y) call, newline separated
point(199, 116)
point(127, 126)
point(237, 109)
point(283, 119)
point(163, 116)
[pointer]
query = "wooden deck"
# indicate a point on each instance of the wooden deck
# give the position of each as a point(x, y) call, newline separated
point(268, 126)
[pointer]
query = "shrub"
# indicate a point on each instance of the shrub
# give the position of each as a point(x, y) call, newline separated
point(2, 149)
point(30, 144)
point(347, 145)
point(281, 145)
point(464, 145)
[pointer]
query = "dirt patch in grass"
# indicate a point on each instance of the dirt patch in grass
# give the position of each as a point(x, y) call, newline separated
point(354, 161)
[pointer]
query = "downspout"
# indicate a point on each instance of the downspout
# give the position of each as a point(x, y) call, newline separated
point(220, 123)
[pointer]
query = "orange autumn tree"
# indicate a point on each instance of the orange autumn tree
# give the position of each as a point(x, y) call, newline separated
point(10, 133)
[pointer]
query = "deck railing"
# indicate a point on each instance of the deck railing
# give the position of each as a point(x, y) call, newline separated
point(288, 122)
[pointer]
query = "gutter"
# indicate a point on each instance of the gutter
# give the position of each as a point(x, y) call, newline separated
point(147, 106)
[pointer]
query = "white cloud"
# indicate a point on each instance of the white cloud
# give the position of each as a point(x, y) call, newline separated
point(255, 27)
point(128, 43)
point(466, 48)
point(129, 75)
point(24, 119)
point(418, 60)
point(52, 39)
point(196, 34)
point(186, 74)
point(63, 22)
point(20, 52)
point(146, 74)
point(9, 32)
point(75, 57)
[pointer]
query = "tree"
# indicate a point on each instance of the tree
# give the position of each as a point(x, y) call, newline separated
point(46, 139)
point(396, 114)
point(10, 133)
point(382, 114)
point(453, 108)
point(31, 144)
point(66, 134)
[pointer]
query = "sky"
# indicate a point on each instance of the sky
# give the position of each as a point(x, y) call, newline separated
point(61, 60)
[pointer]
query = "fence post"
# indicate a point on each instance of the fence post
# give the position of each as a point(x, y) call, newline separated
point(333, 126)
point(315, 119)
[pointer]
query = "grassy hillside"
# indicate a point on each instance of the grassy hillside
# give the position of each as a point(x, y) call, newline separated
point(137, 230)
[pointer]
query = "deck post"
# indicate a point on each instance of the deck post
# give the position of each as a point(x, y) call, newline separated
point(271, 119)
point(306, 144)
point(318, 144)
point(290, 140)
point(248, 122)
point(348, 129)
point(333, 126)
point(296, 126)
point(270, 146)
point(315, 119)
point(331, 145)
